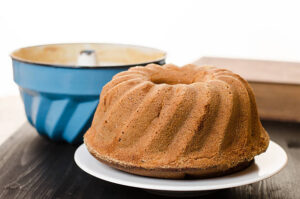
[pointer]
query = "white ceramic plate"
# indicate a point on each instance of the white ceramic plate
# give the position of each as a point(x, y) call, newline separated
point(265, 165)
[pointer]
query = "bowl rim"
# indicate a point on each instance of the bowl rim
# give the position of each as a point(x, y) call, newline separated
point(16, 58)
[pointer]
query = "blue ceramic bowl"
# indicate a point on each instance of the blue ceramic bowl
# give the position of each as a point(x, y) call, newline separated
point(59, 97)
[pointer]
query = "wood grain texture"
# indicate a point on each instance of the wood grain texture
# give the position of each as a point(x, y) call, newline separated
point(277, 101)
point(34, 167)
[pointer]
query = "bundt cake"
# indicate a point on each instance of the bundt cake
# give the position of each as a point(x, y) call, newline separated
point(175, 122)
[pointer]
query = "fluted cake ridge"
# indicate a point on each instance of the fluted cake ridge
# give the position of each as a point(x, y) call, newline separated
point(171, 122)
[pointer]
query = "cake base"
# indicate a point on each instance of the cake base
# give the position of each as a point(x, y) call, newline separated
point(171, 173)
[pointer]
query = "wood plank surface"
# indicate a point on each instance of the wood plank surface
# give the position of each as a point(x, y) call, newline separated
point(258, 70)
point(277, 101)
point(34, 167)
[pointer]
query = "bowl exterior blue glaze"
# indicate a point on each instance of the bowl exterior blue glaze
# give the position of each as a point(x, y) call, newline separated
point(60, 101)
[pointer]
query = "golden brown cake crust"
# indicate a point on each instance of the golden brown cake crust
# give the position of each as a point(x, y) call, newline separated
point(172, 173)
point(170, 122)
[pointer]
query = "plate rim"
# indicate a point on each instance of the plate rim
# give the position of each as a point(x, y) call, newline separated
point(136, 184)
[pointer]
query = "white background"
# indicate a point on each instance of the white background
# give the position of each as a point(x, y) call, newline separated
point(186, 29)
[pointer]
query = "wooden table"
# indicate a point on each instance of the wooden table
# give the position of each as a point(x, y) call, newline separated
point(34, 167)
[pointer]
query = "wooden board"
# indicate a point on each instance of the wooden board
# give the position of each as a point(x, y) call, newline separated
point(34, 167)
point(258, 70)
point(276, 85)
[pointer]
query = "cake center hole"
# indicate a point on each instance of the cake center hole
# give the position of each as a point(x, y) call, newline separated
point(173, 77)
point(171, 81)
